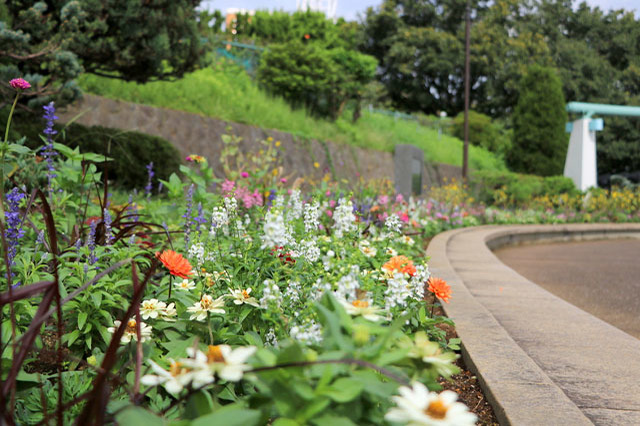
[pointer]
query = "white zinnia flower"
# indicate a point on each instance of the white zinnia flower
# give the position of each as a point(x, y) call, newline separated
point(177, 378)
point(204, 306)
point(368, 251)
point(229, 364)
point(242, 296)
point(362, 307)
point(152, 308)
point(185, 285)
point(417, 406)
point(405, 239)
point(130, 331)
point(169, 312)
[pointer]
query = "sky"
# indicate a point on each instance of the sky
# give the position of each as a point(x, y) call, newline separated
point(350, 9)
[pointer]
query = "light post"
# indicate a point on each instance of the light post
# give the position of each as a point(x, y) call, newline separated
point(465, 150)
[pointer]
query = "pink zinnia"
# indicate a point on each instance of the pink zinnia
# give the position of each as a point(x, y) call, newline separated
point(244, 174)
point(20, 84)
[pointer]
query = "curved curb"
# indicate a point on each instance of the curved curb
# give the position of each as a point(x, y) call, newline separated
point(539, 359)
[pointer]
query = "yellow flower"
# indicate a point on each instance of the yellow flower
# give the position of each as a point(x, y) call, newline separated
point(316, 165)
point(277, 143)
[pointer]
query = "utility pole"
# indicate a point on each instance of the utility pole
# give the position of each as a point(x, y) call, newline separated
point(467, 78)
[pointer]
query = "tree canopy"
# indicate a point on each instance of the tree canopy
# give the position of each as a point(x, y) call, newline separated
point(52, 42)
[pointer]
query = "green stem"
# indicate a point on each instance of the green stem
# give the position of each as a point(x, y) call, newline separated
point(210, 331)
point(13, 107)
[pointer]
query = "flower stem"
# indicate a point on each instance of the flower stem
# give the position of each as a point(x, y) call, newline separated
point(209, 327)
point(13, 107)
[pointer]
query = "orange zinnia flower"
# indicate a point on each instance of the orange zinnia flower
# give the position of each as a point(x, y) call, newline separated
point(400, 264)
point(440, 288)
point(175, 263)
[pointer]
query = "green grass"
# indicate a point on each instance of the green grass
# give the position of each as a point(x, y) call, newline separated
point(225, 91)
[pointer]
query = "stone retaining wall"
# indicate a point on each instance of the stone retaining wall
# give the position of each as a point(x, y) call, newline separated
point(196, 134)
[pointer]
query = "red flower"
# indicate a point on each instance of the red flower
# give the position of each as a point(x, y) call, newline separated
point(175, 263)
point(440, 288)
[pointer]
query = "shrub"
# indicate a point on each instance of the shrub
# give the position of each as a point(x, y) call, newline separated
point(131, 151)
point(539, 139)
point(483, 132)
point(322, 80)
point(517, 190)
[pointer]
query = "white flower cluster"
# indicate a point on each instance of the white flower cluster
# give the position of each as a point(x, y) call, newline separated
point(196, 253)
point(270, 338)
point(294, 293)
point(347, 285)
point(418, 280)
point(278, 202)
point(318, 289)
point(274, 230)
point(343, 217)
point(295, 205)
point(271, 295)
point(311, 217)
point(397, 292)
point(231, 204)
point(309, 334)
point(219, 219)
point(393, 223)
point(309, 250)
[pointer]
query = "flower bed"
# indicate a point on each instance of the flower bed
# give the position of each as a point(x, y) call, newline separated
point(248, 300)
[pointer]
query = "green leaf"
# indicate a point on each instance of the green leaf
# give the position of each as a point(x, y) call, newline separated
point(18, 149)
point(82, 319)
point(136, 416)
point(198, 405)
point(329, 420)
point(230, 415)
point(71, 337)
point(285, 422)
point(344, 389)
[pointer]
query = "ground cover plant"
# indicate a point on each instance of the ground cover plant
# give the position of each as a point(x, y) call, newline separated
point(225, 91)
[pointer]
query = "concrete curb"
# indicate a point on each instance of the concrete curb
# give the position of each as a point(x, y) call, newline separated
point(539, 359)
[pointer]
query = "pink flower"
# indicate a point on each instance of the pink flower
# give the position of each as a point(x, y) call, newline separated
point(328, 193)
point(283, 180)
point(332, 203)
point(329, 213)
point(257, 198)
point(228, 186)
point(399, 198)
point(243, 194)
point(19, 84)
point(383, 199)
point(403, 216)
point(244, 174)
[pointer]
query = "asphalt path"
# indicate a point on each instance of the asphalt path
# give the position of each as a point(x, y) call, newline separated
point(600, 277)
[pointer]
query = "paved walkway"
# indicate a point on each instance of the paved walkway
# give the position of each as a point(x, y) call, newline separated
point(540, 359)
point(601, 277)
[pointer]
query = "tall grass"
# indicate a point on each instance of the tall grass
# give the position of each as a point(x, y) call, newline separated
point(225, 91)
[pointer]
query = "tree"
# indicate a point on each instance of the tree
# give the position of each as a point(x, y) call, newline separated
point(52, 42)
point(539, 118)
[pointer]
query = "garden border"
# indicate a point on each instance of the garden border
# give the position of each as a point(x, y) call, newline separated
point(539, 359)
